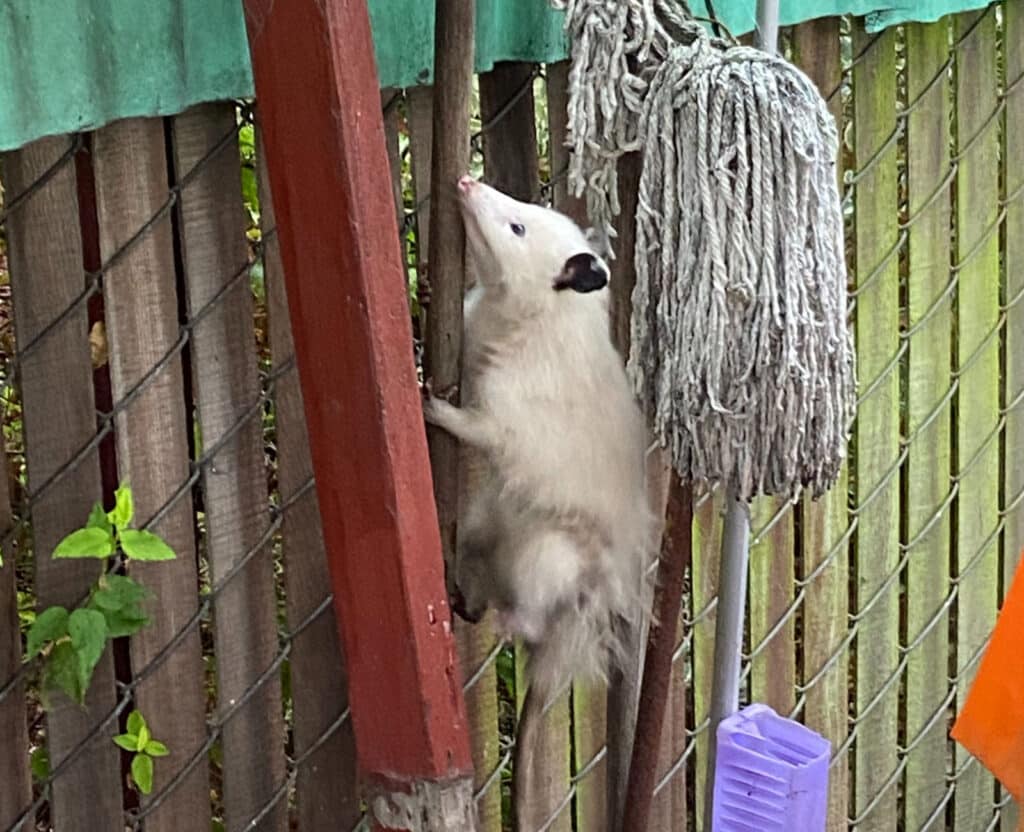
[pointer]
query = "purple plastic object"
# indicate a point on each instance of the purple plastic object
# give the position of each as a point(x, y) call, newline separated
point(771, 774)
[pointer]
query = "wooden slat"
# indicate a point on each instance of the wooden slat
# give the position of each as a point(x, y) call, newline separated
point(45, 252)
point(668, 807)
point(877, 431)
point(928, 422)
point(141, 307)
point(227, 393)
point(773, 670)
point(707, 543)
point(475, 643)
point(511, 166)
point(623, 686)
point(510, 135)
point(437, 166)
point(326, 788)
point(825, 521)
point(558, 117)
point(390, 99)
point(1013, 265)
point(15, 779)
point(589, 701)
point(346, 296)
point(977, 361)
point(419, 102)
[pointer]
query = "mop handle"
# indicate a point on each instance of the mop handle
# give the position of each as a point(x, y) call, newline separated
point(735, 559)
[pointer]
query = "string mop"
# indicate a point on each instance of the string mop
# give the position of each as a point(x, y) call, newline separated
point(740, 349)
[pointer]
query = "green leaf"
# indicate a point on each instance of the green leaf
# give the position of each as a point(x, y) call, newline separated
point(89, 542)
point(50, 624)
point(144, 738)
point(40, 764)
point(124, 507)
point(142, 772)
point(155, 748)
point(119, 592)
point(62, 672)
point(88, 630)
point(121, 623)
point(145, 546)
point(119, 598)
point(136, 722)
point(98, 519)
point(249, 192)
point(129, 742)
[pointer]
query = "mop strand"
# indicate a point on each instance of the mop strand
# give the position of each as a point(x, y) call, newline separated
point(739, 345)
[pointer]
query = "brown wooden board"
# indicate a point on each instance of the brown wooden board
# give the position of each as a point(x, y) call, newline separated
point(624, 685)
point(707, 543)
point(772, 612)
point(976, 456)
point(825, 522)
point(326, 788)
point(476, 643)
point(390, 102)
point(1013, 156)
point(876, 545)
point(15, 779)
point(229, 410)
point(141, 307)
point(45, 255)
point(509, 131)
point(558, 122)
point(1013, 295)
point(668, 804)
point(419, 102)
point(927, 479)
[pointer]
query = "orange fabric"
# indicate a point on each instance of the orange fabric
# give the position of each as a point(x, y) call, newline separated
point(991, 723)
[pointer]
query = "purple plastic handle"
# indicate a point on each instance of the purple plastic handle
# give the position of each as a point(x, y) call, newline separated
point(771, 774)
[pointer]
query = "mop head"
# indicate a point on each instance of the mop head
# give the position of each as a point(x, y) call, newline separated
point(740, 349)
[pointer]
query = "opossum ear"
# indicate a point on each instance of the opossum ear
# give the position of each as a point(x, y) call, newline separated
point(598, 241)
point(582, 273)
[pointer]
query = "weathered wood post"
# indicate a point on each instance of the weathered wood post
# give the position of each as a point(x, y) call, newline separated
point(319, 109)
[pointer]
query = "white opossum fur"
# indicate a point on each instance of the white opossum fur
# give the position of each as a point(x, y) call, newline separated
point(556, 533)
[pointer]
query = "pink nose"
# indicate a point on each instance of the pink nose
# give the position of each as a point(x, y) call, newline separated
point(465, 183)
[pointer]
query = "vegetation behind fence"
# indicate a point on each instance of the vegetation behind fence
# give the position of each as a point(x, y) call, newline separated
point(145, 339)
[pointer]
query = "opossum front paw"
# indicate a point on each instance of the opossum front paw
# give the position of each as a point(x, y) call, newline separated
point(435, 402)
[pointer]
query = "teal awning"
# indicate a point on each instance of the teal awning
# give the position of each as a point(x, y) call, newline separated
point(69, 65)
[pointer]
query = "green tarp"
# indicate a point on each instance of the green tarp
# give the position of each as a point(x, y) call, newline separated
point(68, 65)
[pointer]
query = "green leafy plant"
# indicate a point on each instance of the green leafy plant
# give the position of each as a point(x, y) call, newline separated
point(72, 642)
point(140, 743)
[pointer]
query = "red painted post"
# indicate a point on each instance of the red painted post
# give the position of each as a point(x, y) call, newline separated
point(319, 109)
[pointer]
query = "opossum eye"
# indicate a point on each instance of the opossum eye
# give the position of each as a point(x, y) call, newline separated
point(518, 230)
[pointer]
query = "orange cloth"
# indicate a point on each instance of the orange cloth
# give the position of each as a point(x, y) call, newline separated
point(991, 723)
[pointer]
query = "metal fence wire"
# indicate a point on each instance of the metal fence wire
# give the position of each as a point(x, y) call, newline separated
point(144, 338)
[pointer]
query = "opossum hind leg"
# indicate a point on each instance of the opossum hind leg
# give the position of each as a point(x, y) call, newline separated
point(546, 576)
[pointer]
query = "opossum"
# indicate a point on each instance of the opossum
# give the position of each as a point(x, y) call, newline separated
point(556, 532)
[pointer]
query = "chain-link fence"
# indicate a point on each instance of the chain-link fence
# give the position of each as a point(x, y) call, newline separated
point(145, 339)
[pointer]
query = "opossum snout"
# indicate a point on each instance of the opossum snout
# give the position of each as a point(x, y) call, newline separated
point(466, 183)
point(582, 273)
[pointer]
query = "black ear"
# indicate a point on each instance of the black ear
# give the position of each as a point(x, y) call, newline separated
point(582, 273)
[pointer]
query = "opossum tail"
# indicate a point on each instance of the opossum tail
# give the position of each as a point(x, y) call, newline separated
point(579, 644)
